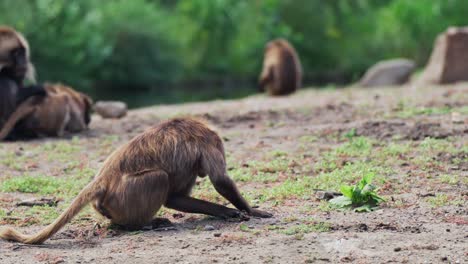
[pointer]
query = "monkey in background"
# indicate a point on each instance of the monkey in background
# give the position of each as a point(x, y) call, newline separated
point(80, 106)
point(158, 167)
point(62, 110)
point(15, 67)
point(282, 70)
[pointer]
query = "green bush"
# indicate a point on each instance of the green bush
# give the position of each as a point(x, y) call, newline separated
point(141, 44)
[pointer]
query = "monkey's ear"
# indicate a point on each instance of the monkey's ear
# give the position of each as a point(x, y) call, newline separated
point(31, 73)
point(88, 108)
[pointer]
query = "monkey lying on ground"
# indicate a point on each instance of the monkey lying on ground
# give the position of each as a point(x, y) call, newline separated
point(80, 106)
point(63, 109)
point(282, 71)
point(15, 67)
point(158, 167)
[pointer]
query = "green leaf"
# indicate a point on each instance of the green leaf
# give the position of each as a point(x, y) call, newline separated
point(364, 208)
point(347, 191)
point(368, 190)
point(341, 201)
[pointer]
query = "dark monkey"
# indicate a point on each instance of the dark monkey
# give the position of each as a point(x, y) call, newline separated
point(15, 67)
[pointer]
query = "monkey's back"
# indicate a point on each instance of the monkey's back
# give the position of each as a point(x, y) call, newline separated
point(290, 72)
point(287, 69)
point(177, 147)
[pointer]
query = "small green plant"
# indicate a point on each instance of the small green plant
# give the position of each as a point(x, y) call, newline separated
point(350, 134)
point(362, 197)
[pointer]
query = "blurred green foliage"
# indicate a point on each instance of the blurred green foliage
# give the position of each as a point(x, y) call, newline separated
point(141, 45)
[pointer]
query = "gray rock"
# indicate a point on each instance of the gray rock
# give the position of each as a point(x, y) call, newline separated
point(111, 109)
point(388, 73)
point(449, 59)
point(209, 228)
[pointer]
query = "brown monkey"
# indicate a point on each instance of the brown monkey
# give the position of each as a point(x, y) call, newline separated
point(15, 67)
point(63, 109)
point(282, 71)
point(158, 167)
point(80, 106)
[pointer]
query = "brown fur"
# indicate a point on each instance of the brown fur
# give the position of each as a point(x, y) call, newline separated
point(156, 168)
point(63, 109)
point(80, 106)
point(9, 40)
point(282, 71)
point(12, 72)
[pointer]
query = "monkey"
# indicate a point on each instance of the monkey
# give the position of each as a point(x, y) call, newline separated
point(15, 67)
point(15, 55)
point(282, 70)
point(158, 167)
point(80, 106)
point(63, 109)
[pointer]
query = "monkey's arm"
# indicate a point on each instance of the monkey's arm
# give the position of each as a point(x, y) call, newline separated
point(265, 77)
point(23, 110)
point(227, 188)
point(191, 205)
point(29, 91)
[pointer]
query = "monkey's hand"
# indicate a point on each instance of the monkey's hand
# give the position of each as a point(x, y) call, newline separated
point(236, 216)
point(260, 213)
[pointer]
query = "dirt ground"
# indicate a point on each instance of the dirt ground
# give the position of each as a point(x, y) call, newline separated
point(418, 148)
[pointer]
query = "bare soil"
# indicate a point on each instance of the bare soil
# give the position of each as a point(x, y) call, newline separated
point(405, 229)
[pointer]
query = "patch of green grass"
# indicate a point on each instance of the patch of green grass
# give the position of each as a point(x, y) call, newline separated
point(32, 215)
point(350, 134)
point(436, 145)
point(449, 179)
point(29, 184)
point(280, 164)
point(302, 229)
point(325, 206)
point(241, 174)
point(277, 153)
point(395, 149)
point(442, 199)
point(302, 187)
point(357, 147)
point(44, 214)
point(407, 112)
point(308, 139)
point(64, 187)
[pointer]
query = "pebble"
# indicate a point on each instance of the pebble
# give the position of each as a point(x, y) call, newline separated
point(209, 228)
point(111, 109)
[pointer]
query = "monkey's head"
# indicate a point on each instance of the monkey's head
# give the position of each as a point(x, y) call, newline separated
point(276, 43)
point(15, 55)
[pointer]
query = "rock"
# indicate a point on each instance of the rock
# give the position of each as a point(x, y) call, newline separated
point(449, 59)
point(326, 195)
point(111, 109)
point(457, 118)
point(217, 234)
point(387, 73)
point(209, 228)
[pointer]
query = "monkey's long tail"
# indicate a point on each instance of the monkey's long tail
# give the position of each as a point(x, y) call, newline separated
point(23, 110)
point(88, 194)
